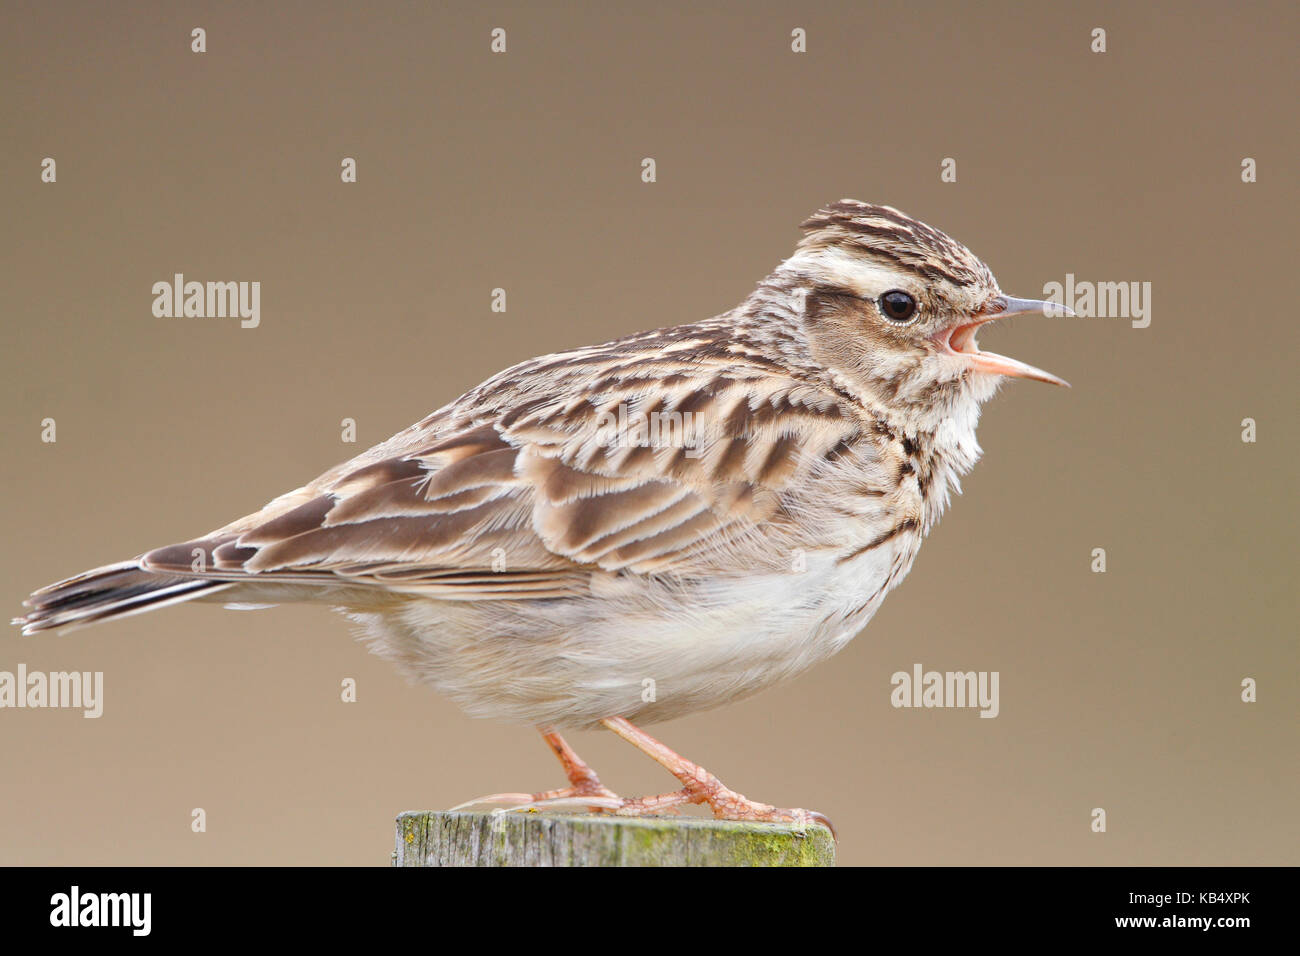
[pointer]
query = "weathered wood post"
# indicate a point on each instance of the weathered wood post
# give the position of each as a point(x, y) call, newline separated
point(430, 838)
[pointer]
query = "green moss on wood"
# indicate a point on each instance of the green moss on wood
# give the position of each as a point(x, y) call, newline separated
point(538, 839)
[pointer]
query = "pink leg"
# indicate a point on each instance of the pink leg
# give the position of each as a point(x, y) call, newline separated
point(700, 786)
point(583, 783)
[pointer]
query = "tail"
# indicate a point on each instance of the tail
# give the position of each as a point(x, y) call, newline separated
point(116, 590)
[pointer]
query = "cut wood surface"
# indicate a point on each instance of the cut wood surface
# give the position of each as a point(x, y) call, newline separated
point(434, 838)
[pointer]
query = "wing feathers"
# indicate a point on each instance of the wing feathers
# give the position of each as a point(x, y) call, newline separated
point(529, 487)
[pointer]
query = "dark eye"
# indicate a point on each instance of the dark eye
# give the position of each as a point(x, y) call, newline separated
point(897, 306)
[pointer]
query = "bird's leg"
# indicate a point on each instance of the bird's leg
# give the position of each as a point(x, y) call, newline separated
point(700, 786)
point(584, 790)
point(583, 781)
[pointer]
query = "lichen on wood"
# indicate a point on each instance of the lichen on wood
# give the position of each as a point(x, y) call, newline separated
point(432, 838)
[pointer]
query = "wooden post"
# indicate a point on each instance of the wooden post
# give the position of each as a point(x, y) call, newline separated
point(430, 838)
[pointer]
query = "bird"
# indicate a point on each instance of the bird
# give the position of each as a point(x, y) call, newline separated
point(630, 532)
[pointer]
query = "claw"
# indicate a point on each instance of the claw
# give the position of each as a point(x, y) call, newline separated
point(565, 803)
point(587, 796)
point(823, 820)
point(508, 798)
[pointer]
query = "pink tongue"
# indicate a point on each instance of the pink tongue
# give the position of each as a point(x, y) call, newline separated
point(963, 340)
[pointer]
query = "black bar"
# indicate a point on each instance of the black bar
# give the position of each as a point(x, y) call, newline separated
point(326, 905)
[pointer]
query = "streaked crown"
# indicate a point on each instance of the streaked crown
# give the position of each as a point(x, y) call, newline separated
point(896, 240)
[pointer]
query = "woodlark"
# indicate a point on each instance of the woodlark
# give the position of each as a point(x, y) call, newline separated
point(646, 528)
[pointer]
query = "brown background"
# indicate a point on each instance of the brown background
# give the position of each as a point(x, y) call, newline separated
point(522, 171)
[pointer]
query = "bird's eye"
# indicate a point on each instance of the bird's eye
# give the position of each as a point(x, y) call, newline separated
point(897, 306)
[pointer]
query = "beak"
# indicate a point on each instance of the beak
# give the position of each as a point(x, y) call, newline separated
point(960, 338)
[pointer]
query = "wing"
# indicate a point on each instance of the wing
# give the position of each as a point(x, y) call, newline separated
point(662, 454)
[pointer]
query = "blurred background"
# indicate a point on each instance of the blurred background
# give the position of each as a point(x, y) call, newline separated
point(1119, 690)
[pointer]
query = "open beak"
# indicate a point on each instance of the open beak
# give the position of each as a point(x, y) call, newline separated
point(960, 338)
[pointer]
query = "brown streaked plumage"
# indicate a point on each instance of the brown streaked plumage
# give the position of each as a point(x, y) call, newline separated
point(705, 509)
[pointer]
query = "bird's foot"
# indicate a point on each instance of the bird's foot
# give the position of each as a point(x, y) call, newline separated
point(595, 797)
point(584, 790)
point(700, 786)
point(725, 803)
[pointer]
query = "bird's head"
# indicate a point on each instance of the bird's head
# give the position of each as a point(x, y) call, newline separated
point(894, 305)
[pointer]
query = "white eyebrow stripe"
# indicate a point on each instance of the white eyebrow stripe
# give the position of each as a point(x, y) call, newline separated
point(857, 274)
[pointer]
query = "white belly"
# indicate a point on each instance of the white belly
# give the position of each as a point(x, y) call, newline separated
point(643, 649)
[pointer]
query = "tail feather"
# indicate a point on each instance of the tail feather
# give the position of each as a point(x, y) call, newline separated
point(116, 590)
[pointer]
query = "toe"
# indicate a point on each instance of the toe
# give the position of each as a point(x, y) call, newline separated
point(567, 803)
point(820, 819)
point(494, 799)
